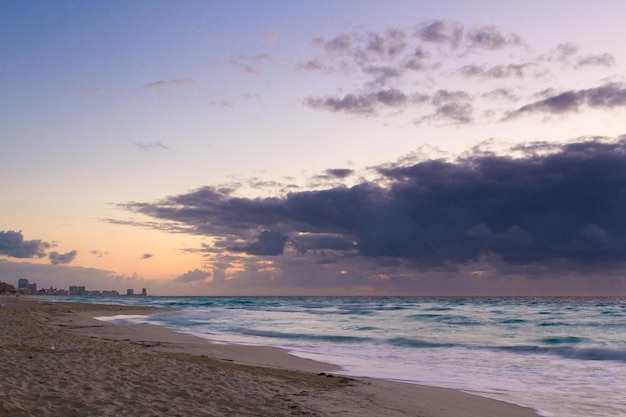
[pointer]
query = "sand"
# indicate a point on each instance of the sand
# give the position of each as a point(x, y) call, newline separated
point(58, 361)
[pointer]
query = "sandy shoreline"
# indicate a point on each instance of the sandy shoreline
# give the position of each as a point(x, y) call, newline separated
point(59, 361)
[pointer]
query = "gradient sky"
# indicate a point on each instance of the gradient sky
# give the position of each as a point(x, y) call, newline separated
point(313, 147)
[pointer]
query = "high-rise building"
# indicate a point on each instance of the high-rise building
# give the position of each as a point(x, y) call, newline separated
point(130, 291)
point(78, 290)
point(144, 292)
point(22, 284)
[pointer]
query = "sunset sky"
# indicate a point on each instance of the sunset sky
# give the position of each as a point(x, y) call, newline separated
point(314, 147)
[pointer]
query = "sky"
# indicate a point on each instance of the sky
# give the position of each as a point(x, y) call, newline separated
point(314, 147)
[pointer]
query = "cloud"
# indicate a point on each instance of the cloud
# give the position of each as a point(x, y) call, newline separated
point(339, 44)
point(306, 242)
point(338, 173)
point(564, 51)
point(147, 256)
point(196, 275)
point(441, 31)
point(330, 176)
point(269, 36)
point(501, 94)
point(166, 83)
point(386, 45)
point(452, 106)
point(547, 203)
point(569, 53)
point(605, 60)
point(57, 258)
point(491, 37)
point(312, 65)
point(251, 64)
point(497, 71)
point(456, 112)
point(399, 69)
point(221, 103)
point(149, 146)
point(400, 44)
point(608, 96)
point(595, 233)
point(13, 244)
point(269, 243)
point(361, 104)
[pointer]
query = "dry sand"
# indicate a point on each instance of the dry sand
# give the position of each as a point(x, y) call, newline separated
point(58, 361)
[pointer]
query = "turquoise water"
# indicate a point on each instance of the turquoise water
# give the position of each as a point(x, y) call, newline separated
point(564, 357)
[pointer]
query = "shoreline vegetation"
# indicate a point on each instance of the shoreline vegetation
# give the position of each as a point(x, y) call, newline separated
point(59, 360)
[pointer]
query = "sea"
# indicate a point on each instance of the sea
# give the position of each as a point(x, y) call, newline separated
point(563, 357)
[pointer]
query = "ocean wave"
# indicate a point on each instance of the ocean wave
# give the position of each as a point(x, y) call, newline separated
point(304, 336)
point(458, 320)
point(567, 352)
point(513, 321)
point(553, 323)
point(423, 316)
point(417, 343)
point(571, 340)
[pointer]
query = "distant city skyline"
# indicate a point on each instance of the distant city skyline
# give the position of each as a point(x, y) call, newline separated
point(315, 148)
point(24, 285)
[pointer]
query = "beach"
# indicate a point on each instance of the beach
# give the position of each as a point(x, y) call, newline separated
point(60, 361)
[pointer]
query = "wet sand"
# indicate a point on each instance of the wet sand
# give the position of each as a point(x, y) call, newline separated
point(59, 361)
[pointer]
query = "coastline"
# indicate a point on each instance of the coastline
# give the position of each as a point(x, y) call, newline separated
point(63, 361)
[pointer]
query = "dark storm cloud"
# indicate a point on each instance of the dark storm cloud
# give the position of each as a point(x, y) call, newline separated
point(556, 202)
point(528, 209)
point(269, 243)
point(57, 258)
point(13, 244)
point(306, 242)
point(608, 96)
